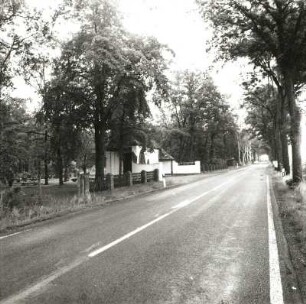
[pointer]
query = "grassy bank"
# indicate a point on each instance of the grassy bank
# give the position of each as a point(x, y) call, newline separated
point(25, 206)
point(292, 208)
point(28, 207)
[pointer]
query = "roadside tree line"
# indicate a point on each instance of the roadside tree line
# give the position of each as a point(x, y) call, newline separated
point(272, 35)
point(95, 95)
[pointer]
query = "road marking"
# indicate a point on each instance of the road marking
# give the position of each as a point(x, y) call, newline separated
point(13, 234)
point(139, 229)
point(91, 247)
point(182, 204)
point(37, 287)
point(276, 290)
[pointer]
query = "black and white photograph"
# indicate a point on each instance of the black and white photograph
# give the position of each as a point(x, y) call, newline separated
point(152, 151)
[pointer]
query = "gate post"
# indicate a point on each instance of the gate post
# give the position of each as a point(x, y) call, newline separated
point(129, 178)
point(110, 181)
point(144, 177)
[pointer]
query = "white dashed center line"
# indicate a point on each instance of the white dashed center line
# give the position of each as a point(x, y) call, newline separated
point(13, 234)
point(139, 229)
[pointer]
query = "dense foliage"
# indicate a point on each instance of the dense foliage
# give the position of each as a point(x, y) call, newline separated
point(202, 126)
point(97, 94)
point(272, 35)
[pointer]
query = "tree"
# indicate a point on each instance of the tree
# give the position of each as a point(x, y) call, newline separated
point(127, 123)
point(86, 150)
point(261, 29)
point(14, 141)
point(202, 126)
point(65, 133)
point(9, 43)
point(20, 29)
point(264, 101)
point(99, 63)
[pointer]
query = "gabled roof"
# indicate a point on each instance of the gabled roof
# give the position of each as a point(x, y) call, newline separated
point(163, 155)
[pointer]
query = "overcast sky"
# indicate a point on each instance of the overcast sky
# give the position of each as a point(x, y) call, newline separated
point(178, 24)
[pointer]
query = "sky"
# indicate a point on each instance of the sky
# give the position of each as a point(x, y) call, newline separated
point(176, 23)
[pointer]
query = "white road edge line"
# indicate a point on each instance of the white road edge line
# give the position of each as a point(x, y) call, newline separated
point(35, 288)
point(13, 234)
point(139, 229)
point(276, 290)
point(182, 204)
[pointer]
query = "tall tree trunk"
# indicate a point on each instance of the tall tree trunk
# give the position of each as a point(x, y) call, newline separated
point(278, 143)
point(66, 174)
point(99, 126)
point(274, 149)
point(295, 128)
point(121, 142)
point(238, 148)
point(277, 132)
point(225, 149)
point(181, 150)
point(205, 153)
point(46, 159)
point(285, 152)
point(39, 183)
point(99, 157)
point(85, 163)
point(60, 166)
point(191, 156)
point(283, 131)
point(120, 164)
point(212, 147)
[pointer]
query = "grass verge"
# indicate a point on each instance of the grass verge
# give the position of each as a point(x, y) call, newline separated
point(292, 210)
point(26, 207)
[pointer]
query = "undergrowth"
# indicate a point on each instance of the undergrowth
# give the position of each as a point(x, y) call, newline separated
point(293, 208)
point(301, 212)
point(20, 207)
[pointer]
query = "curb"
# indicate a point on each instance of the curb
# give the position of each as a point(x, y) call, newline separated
point(67, 212)
point(290, 282)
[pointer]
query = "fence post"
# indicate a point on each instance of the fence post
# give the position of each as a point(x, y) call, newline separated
point(129, 178)
point(110, 181)
point(156, 175)
point(86, 183)
point(81, 184)
point(1, 201)
point(144, 177)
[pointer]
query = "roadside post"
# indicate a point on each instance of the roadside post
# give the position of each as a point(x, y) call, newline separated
point(164, 181)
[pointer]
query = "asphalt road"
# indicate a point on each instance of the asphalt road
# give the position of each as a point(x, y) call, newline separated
point(205, 242)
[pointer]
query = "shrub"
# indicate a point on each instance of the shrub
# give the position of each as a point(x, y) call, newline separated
point(12, 198)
